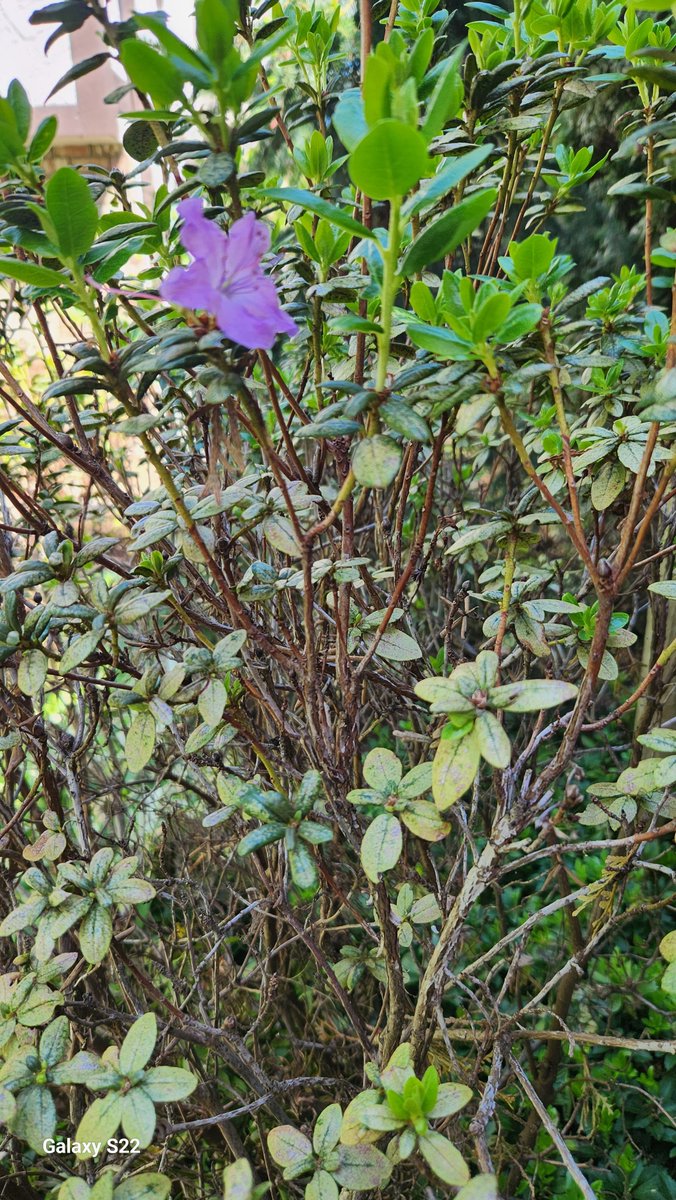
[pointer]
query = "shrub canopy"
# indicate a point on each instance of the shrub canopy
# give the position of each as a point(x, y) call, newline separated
point(336, 638)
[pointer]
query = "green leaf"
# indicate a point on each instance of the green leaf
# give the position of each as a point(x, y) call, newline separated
point(389, 161)
point(39, 1007)
point(215, 28)
point(416, 781)
point(322, 1186)
point(327, 1129)
point(607, 485)
point(397, 646)
point(83, 1068)
point(382, 769)
point(72, 212)
point(138, 1044)
point(446, 98)
point(31, 273)
point(482, 1187)
point(664, 587)
point(23, 916)
point(32, 672)
point(42, 139)
point(404, 420)
point(303, 868)
point(35, 1117)
point(79, 650)
point(138, 1116)
point(424, 912)
point(456, 763)
point(362, 1168)
point(349, 119)
point(493, 742)
point(279, 532)
point(151, 72)
point(668, 946)
point(78, 71)
point(490, 315)
point(211, 702)
point(321, 208)
point(423, 820)
point(381, 846)
point(140, 740)
point(137, 604)
point(100, 1122)
point(443, 695)
point(20, 105)
point(238, 1180)
point(443, 1158)
point(288, 1146)
point(148, 1186)
point(532, 257)
point(521, 320)
point(668, 981)
point(96, 933)
point(453, 171)
point(530, 695)
point(451, 1097)
point(54, 1041)
point(165, 1085)
point(446, 233)
point(7, 1106)
point(261, 837)
point(376, 460)
point(130, 891)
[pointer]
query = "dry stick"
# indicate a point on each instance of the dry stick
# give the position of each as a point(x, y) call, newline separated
point(648, 835)
point(571, 1036)
point(224, 1041)
point(524, 458)
point(19, 400)
point(557, 392)
point(647, 519)
point(546, 138)
point(510, 567)
point(648, 242)
point(659, 665)
point(58, 366)
point(288, 440)
point(391, 18)
point(285, 1085)
point(285, 389)
point(566, 1157)
point(355, 1019)
point(636, 497)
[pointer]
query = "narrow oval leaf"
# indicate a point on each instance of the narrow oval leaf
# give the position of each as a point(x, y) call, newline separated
point(456, 763)
point(138, 1044)
point(381, 846)
point(442, 1156)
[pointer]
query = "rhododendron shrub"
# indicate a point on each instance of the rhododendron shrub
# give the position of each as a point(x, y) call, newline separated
point(337, 618)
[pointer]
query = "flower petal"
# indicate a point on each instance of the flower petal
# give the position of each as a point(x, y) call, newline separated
point(248, 241)
point(253, 318)
point(203, 238)
point(190, 287)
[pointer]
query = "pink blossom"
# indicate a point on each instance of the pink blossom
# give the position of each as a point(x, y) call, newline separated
point(226, 278)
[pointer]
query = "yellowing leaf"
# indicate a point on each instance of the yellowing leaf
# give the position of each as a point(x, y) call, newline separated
point(456, 763)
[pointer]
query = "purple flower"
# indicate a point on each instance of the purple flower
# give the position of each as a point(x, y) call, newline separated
point(227, 279)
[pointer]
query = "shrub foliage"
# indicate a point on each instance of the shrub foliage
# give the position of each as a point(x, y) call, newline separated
point(336, 632)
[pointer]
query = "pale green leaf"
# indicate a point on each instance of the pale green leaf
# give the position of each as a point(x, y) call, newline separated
point(443, 1158)
point(381, 846)
point(456, 763)
point(138, 1044)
